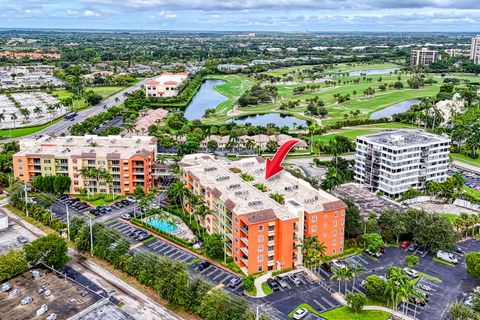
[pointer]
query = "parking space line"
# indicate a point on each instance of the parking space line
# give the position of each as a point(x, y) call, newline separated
point(214, 270)
point(156, 246)
point(362, 259)
point(319, 304)
point(204, 270)
point(226, 278)
point(217, 276)
point(170, 252)
point(328, 302)
point(152, 243)
point(169, 249)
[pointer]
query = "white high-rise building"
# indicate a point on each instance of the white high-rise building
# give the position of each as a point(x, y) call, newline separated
point(475, 50)
point(423, 57)
point(395, 161)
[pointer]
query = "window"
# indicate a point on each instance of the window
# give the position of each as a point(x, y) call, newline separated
point(236, 259)
point(341, 250)
point(336, 214)
point(334, 242)
point(341, 240)
point(236, 239)
point(334, 223)
point(343, 212)
point(19, 160)
point(271, 228)
point(334, 251)
point(314, 228)
point(236, 229)
point(236, 220)
point(47, 161)
point(343, 222)
point(236, 249)
point(341, 231)
point(260, 268)
point(48, 168)
point(20, 167)
point(270, 248)
point(334, 233)
point(260, 238)
point(260, 258)
point(314, 218)
point(260, 228)
point(260, 248)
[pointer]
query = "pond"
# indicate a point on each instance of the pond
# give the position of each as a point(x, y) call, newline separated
point(163, 225)
point(205, 98)
point(400, 107)
point(373, 71)
point(278, 119)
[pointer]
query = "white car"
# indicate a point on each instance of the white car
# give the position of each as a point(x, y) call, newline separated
point(131, 199)
point(447, 257)
point(338, 265)
point(412, 273)
point(300, 313)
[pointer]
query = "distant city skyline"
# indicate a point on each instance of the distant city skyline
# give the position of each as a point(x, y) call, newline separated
point(250, 15)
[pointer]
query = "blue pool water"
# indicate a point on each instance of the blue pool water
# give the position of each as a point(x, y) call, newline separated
point(162, 225)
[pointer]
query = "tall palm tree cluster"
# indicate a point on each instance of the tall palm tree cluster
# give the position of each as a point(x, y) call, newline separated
point(349, 273)
point(95, 175)
point(467, 224)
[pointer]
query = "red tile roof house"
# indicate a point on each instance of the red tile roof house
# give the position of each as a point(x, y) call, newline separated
point(165, 85)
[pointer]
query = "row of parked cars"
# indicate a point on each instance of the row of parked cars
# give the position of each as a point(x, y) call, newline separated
point(138, 234)
point(421, 250)
point(74, 203)
point(278, 282)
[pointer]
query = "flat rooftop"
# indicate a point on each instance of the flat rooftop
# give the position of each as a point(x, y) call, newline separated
point(66, 300)
point(404, 138)
point(220, 175)
point(95, 146)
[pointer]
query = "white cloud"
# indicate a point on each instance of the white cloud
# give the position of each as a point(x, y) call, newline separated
point(90, 13)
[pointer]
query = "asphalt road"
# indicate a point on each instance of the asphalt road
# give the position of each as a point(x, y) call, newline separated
point(62, 126)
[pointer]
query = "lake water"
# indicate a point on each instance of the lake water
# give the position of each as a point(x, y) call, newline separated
point(400, 107)
point(205, 98)
point(373, 71)
point(278, 119)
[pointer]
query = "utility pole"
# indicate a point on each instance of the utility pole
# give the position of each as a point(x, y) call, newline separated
point(257, 314)
point(26, 198)
point(91, 236)
point(68, 223)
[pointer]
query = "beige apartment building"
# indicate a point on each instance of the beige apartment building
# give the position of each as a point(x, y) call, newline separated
point(423, 57)
point(130, 161)
point(475, 50)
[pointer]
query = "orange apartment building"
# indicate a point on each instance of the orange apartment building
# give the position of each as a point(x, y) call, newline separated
point(260, 233)
point(130, 161)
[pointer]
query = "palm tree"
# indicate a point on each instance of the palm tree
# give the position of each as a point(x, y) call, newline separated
point(2, 117)
point(25, 113)
point(341, 274)
point(14, 117)
point(38, 111)
point(313, 251)
point(332, 179)
point(88, 173)
point(356, 269)
point(249, 144)
point(108, 178)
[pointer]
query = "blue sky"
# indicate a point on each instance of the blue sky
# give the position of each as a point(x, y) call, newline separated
point(248, 15)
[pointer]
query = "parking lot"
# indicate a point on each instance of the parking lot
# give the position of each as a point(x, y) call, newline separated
point(288, 298)
point(212, 273)
point(59, 210)
point(9, 236)
point(454, 280)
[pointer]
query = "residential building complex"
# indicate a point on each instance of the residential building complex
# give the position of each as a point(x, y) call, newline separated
point(128, 160)
point(262, 234)
point(258, 141)
point(475, 50)
point(165, 85)
point(395, 161)
point(423, 57)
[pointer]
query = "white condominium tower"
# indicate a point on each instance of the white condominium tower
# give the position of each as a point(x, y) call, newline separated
point(475, 50)
point(394, 161)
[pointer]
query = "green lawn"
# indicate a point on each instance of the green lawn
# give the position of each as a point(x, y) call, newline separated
point(266, 288)
point(345, 313)
point(20, 132)
point(472, 192)
point(464, 158)
point(233, 88)
point(100, 200)
point(443, 262)
point(303, 305)
point(450, 216)
point(105, 92)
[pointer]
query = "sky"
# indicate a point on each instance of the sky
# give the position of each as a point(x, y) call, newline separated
point(245, 15)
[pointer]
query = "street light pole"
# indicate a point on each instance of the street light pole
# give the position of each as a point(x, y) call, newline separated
point(26, 198)
point(68, 223)
point(91, 236)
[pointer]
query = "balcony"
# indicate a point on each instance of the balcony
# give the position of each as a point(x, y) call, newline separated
point(244, 259)
point(244, 250)
point(244, 240)
point(244, 229)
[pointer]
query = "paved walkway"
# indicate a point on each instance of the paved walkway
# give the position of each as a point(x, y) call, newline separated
point(466, 166)
point(400, 315)
point(258, 284)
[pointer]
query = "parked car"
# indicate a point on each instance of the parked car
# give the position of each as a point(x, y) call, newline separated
point(125, 202)
point(281, 280)
point(26, 300)
point(131, 232)
point(126, 216)
point(421, 250)
point(22, 239)
point(420, 301)
point(377, 254)
point(131, 199)
point(337, 264)
point(143, 236)
point(300, 314)
point(326, 267)
point(425, 287)
point(447, 257)
point(294, 279)
point(412, 247)
point(234, 282)
point(202, 265)
point(469, 302)
point(411, 272)
point(404, 244)
point(63, 197)
point(382, 250)
point(272, 283)
point(459, 250)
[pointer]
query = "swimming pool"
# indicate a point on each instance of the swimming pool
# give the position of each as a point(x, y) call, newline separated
point(163, 225)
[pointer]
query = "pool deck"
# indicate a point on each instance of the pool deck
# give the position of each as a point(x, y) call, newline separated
point(183, 232)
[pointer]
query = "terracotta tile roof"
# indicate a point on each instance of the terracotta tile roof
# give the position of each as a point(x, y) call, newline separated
point(260, 216)
point(170, 82)
point(334, 205)
point(152, 82)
